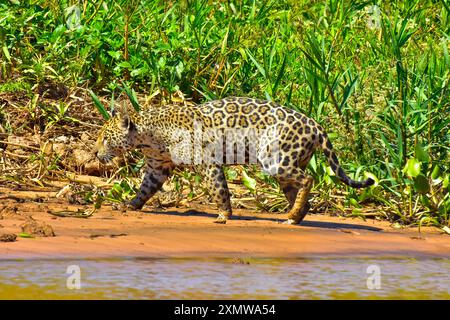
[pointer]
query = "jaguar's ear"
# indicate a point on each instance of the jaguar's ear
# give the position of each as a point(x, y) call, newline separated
point(117, 111)
point(113, 112)
point(126, 122)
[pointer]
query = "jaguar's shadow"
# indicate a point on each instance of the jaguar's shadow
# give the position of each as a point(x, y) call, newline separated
point(337, 225)
point(306, 223)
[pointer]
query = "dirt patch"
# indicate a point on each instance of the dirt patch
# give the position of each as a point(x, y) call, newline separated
point(8, 211)
point(8, 237)
point(38, 229)
point(189, 231)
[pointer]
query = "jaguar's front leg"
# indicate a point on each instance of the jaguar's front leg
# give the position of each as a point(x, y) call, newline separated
point(218, 190)
point(156, 172)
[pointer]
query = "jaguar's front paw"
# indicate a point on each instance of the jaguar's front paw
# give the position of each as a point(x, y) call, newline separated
point(127, 205)
point(135, 204)
point(221, 219)
point(122, 207)
point(298, 217)
point(290, 221)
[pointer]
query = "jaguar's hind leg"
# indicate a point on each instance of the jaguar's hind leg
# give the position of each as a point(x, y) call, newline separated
point(290, 192)
point(301, 206)
point(296, 191)
point(217, 188)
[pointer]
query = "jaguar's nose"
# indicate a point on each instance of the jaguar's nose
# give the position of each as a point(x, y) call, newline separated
point(100, 158)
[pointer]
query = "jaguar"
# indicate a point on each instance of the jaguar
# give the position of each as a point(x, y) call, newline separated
point(205, 137)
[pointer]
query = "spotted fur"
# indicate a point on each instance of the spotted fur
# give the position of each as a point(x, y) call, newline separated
point(282, 141)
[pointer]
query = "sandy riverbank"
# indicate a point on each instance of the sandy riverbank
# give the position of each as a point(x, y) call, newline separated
point(182, 232)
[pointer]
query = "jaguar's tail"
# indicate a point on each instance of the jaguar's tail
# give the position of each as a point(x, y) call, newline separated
point(327, 148)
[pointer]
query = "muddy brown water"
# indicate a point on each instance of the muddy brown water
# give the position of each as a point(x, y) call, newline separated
point(137, 278)
point(180, 254)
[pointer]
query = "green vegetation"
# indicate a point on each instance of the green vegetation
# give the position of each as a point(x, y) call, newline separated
point(375, 74)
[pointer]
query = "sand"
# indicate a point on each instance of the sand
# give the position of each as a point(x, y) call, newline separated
point(190, 232)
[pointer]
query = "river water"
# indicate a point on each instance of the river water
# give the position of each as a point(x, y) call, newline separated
point(321, 278)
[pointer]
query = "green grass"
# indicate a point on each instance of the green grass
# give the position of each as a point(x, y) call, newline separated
point(13, 86)
point(375, 74)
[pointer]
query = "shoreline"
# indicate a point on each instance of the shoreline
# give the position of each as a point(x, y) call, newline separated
point(188, 233)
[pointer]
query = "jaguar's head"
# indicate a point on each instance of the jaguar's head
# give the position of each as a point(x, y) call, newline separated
point(115, 137)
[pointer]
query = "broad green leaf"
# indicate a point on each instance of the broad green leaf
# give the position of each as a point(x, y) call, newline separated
point(425, 201)
point(197, 179)
point(421, 154)
point(179, 69)
point(248, 182)
point(115, 54)
point(436, 172)
point(125, 64)
point(231, 174)
point(136, 72)
point(412, 168)
point(25, 235)
point(421, 184)
point(6, 53)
